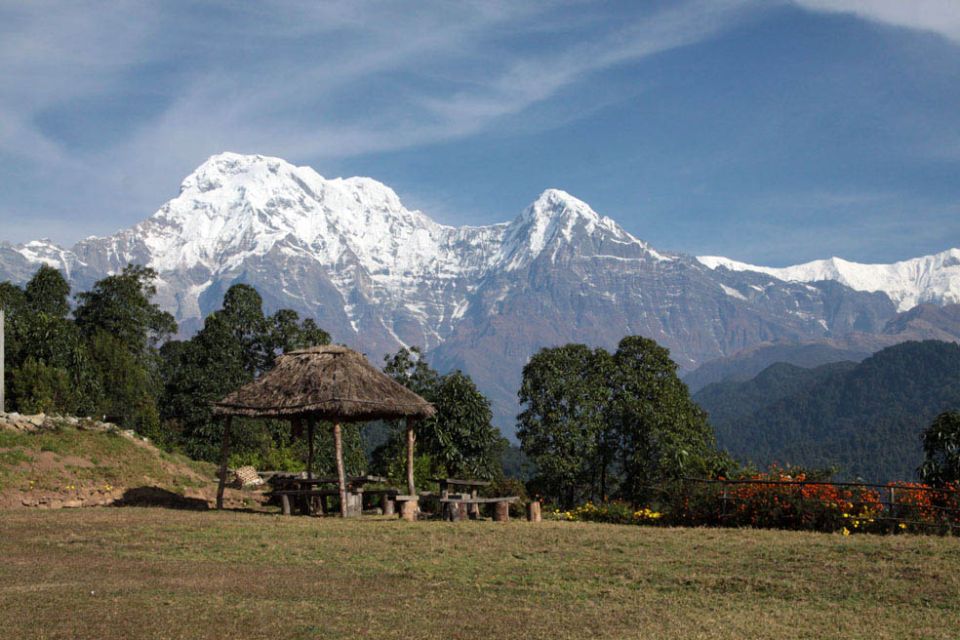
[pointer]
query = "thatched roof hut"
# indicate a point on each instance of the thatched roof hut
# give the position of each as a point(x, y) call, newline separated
point(329, 383)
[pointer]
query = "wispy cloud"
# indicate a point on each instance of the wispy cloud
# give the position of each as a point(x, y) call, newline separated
point(307, 81)
point(937, 16)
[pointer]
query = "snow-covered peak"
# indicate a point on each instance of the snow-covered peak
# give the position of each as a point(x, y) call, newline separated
point(934, 278)
point(552, 220)
point(234, 206)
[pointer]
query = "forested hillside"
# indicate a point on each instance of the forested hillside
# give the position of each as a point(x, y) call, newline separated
point(864, 419)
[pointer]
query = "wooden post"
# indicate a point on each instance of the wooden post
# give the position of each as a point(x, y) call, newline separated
point(451, 511)
point(224, 455)
point(411, 488)
point(341, 476)
point(533, 511)
point(473, 509)
point(408, 510)
point(501, 511)
point(310, 425)
point(387, 505)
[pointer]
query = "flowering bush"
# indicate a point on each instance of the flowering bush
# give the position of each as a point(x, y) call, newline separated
point(613, 512)
point(791, 500)
point(784, 500)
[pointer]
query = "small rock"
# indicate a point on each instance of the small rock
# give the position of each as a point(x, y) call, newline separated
point(72, 504)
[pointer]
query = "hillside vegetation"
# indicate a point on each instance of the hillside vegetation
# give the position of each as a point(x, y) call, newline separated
point(865, 419)
point(60, 462)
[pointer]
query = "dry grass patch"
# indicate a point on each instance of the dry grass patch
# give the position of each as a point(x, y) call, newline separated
point(125, 572)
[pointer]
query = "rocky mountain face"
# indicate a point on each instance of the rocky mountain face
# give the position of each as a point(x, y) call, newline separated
point(377, 275)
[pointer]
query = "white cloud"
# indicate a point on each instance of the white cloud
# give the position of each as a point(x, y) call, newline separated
point(937, 16)
point(305, 81)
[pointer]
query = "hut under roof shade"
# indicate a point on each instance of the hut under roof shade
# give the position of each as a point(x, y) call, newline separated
point(328, 382)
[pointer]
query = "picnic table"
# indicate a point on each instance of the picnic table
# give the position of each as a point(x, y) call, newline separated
point(305, 490)
point(468, 496)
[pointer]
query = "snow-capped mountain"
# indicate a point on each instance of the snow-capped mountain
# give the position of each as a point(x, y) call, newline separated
point(377, 275)
point(929, 279)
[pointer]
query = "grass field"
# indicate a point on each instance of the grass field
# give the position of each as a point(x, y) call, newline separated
point(158, 573)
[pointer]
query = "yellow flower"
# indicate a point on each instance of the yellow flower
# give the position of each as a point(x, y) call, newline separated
point(903, 526)
point(846, 531)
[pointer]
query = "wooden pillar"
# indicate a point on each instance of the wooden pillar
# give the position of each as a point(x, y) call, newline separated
point(501, 511)
point(411, 488)
point(341, 476)
point(451, 511)
point(387, 505)
point(311, 422)
point(473, 509)
point(408, 510)
point(224, 455)
point(533, 511)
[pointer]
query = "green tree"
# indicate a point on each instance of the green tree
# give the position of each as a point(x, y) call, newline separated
point(41, 388)
point(459, 440)
point(48, 292)
point(941, 448)
point(121, 306)
point(37, 331)
point(462, 437)
point(121, 327)
point(563, 426)
point(129, 389)
point(598, 425)
point(662, 433)
point(236, 344)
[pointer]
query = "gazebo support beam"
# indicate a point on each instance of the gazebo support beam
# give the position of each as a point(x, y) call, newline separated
point(311, 423)
point(411, 438)
point(224, 456)
point(341, 475)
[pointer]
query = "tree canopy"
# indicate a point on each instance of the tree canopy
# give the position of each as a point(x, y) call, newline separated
point(597, 424)
point(941, 448)
point(459, 441)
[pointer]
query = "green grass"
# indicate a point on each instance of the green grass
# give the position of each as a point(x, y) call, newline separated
point(127, 572)
point(79, 457)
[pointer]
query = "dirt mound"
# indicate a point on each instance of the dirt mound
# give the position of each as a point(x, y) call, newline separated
point(53, 462)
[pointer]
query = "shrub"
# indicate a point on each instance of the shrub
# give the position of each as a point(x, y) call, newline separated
point(614, 512)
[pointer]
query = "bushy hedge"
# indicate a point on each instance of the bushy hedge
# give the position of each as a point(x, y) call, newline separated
point(782, 500)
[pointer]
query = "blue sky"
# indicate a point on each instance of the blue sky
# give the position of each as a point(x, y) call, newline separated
point(771, 132)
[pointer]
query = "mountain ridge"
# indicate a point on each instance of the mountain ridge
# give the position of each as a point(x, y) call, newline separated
point(377, 276)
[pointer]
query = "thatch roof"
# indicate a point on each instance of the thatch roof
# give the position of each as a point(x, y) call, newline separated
point(330, 383)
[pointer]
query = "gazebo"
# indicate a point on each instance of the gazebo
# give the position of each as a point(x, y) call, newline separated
point(329, 383)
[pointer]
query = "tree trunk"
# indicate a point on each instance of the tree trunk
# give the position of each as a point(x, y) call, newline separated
point(341, 476)
point(224, 455)
point(411, 488)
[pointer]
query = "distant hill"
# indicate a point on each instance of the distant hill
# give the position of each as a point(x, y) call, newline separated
point(748, 363)
point(864, 418)
point(923, 322)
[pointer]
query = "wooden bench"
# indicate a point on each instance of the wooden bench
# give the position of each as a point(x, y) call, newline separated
point(451, 506)
point(285, 494)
